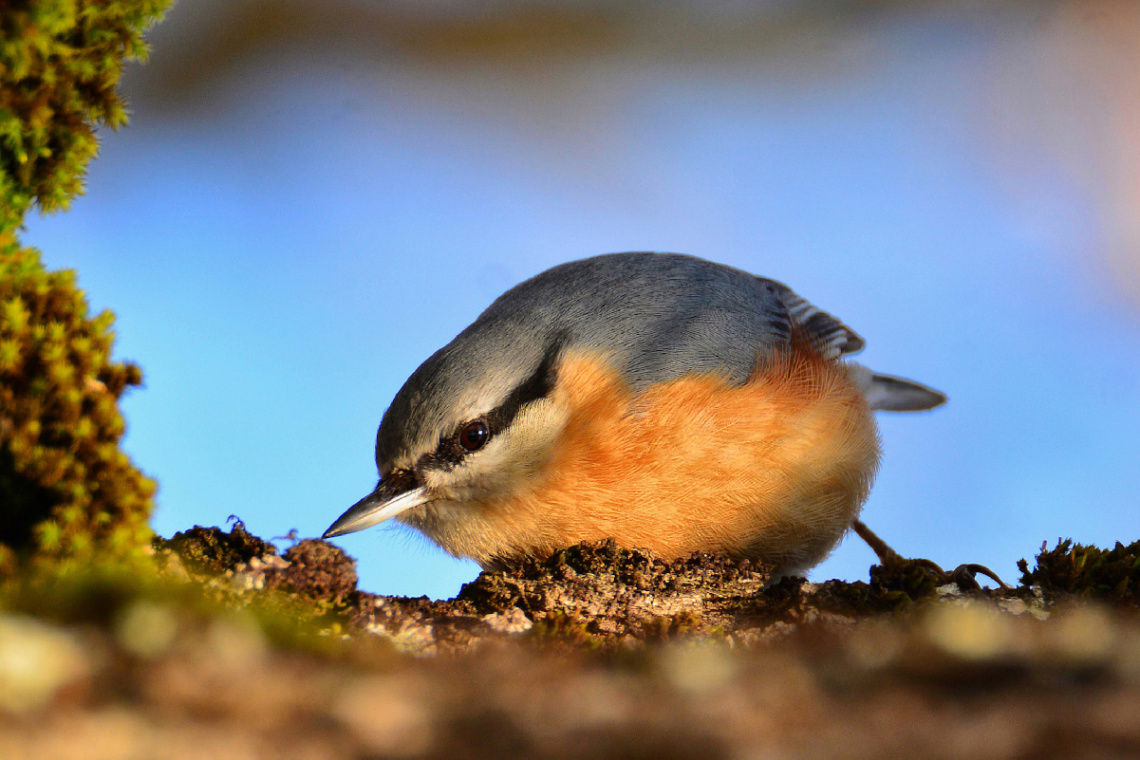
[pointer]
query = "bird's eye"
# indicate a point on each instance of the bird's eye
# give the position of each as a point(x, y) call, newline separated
point(474, 435)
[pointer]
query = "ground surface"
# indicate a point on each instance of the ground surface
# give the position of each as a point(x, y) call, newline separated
point(237, 651)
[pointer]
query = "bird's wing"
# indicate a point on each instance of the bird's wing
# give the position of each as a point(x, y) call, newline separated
point(827, 335)
point(833, 339)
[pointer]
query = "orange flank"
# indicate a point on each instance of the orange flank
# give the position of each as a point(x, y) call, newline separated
point(775, 469)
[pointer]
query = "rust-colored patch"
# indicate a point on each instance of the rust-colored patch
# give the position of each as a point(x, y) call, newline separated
point(772, 470)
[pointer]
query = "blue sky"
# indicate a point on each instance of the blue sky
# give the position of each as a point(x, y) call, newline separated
point(281, 260)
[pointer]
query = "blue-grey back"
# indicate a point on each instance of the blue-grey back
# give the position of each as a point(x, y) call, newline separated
point(658, 316)
point(662, 315)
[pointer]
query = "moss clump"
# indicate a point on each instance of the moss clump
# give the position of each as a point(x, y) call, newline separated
point(1110, 574)
point(310, 589)
point(60, 65)
point(214, 551)
point(899, 583)
point(684, 624)
point(67, 489)
point(563, 628)
point(317, 570)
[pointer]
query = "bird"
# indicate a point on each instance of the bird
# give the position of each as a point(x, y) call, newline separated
point(662, 400)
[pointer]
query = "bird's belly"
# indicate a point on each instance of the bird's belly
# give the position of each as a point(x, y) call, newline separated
point(775, 469)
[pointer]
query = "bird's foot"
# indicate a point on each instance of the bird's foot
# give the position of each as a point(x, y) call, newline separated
point(964, 576)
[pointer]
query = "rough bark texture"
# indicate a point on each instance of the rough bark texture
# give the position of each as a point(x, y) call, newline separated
point(597, 652)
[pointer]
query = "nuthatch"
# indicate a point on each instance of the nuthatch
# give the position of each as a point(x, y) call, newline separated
point(662, 400)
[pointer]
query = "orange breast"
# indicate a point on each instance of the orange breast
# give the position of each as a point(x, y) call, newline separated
point(775, 469)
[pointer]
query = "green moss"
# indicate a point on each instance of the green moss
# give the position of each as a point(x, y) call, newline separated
point(898, 583)
point(685, 624)
point(318, 571)
point(67, 488)
point(60, 65)
point(212, 550)
point(94, 596)
point(1110, 574)
point(106, 591)
point(310, 589)
point(561, 628)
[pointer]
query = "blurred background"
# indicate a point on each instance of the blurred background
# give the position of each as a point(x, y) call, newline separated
point(313, 196)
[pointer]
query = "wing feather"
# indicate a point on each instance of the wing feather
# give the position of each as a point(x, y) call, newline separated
point(827, 335)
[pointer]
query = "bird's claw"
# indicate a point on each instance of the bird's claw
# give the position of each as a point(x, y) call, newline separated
point(964, 576)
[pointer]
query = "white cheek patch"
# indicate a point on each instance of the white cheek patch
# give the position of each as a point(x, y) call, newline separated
point(510, 458)
point(476, 476)
point(437, 480)
point(537, 429)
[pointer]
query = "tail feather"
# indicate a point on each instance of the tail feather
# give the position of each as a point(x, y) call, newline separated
point(895, 394)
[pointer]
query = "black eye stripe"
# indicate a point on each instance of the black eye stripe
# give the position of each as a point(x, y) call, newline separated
point(397, 482)
point(450, 451)
point(537, 386)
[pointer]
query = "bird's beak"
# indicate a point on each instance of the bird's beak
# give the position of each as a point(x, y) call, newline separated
point(376, 507)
